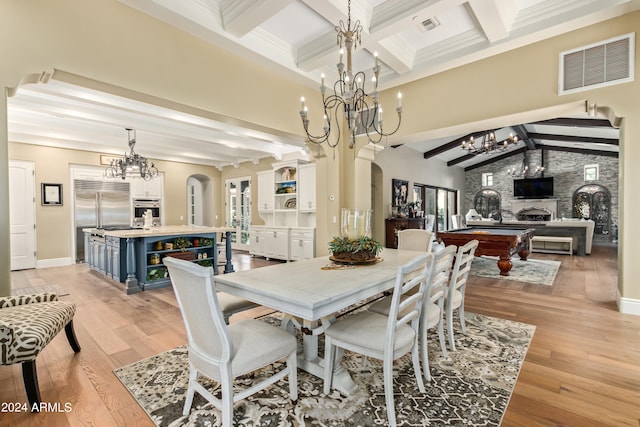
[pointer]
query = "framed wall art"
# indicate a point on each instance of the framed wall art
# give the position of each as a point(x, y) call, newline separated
point(399, 192)
point(51, 194)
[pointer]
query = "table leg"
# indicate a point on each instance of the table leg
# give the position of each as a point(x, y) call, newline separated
point(228, 267)
point(505, 264)
point(524, 253)
point(310, 361)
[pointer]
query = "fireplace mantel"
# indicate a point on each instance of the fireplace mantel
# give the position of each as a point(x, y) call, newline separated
point(550, 205)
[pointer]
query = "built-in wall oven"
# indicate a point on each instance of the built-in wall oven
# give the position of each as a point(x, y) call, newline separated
point(140, 206)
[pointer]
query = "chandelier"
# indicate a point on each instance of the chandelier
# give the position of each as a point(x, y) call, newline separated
point(488, 143)
point(132, 164)
point(524, 171)
point(361, 110)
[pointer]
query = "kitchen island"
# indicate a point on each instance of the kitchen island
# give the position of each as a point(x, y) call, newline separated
point(134, 257)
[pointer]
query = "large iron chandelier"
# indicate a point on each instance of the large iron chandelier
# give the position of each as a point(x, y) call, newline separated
point(524, 171)
point(362, 111)
point(488, 143)
point(131, 165)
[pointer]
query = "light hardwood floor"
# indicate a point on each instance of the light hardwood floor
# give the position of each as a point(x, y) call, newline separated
point(582, 368)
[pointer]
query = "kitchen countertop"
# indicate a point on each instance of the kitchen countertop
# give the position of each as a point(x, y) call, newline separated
point(163, 230)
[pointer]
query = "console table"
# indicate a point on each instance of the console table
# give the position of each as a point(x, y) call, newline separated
point(393, 225)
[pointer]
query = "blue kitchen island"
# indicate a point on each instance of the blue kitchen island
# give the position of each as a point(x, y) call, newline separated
point(134, 257)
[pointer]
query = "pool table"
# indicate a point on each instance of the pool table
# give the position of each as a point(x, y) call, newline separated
point(501, 242)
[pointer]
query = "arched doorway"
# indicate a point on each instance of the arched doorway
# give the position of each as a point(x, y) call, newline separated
point(199, 200)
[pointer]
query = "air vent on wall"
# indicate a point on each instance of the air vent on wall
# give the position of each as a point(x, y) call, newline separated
point(601, 64)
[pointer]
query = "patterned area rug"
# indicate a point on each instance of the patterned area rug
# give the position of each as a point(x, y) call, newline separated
point(536, 271)
point(471, 388)
point(40, 289)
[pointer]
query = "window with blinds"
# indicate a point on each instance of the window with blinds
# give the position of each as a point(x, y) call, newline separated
point(601, 64)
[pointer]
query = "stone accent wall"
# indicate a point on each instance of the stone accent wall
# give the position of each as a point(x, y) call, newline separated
point(567, 170)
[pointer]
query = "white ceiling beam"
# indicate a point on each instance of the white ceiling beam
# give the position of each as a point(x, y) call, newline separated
point(494, 17)
point(240, 17)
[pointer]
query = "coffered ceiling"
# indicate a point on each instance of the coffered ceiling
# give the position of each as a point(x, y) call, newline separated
point(414, 39)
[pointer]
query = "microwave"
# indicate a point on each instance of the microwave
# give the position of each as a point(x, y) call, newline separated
point(140, 206)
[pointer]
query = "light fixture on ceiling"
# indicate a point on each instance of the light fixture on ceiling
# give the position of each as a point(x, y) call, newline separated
point(523, 171)
point(362, 111)
point(488, 143)
point(131, 165)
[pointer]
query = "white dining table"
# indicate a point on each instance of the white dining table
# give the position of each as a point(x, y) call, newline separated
point(310, 294)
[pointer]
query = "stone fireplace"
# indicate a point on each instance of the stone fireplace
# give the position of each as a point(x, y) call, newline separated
point(535, 209)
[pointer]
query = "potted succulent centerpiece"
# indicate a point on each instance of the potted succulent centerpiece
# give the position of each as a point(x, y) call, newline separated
point(355, 244)
point(360, 249)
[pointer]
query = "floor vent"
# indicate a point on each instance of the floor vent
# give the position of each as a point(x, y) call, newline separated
point(601, 64)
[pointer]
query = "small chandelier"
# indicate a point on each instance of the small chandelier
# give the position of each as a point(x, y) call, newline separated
point(362, 111)
point(488, 144)
point(131, 165)
point(524, 171)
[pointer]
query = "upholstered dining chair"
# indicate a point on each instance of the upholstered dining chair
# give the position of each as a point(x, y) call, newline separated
point(456, 221)
point(362, 332)
point(430, 222)
point(433, 310)
point(457, 287)
point(27, 324)
point(414, 239)
point(223, 352)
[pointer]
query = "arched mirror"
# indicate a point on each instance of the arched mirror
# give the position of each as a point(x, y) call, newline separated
point(487, 203)
point(593, 201)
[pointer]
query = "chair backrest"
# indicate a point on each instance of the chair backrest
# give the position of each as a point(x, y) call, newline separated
point(196, 294)
point(415, 240)
point(462, 266)
point(439, 274)
point(406, 302)
point(456, 221)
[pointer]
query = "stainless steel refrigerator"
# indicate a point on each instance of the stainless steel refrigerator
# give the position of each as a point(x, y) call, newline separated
point(98, 204)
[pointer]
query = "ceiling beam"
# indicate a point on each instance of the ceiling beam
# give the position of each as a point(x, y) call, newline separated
point(490, 160)
point(522, 133)
point(574, 122)
point(579, 150)
point(494, 17)
point(446, 147)
point(240, 17)
point(570, 138)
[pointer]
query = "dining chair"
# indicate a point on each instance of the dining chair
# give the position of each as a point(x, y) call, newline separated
point(223, 352)
point(433, 309)
point(362, 332)
point(430, 222)
point(457, 287)
point(414, 239)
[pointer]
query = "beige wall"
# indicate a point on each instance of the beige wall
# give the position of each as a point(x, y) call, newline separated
point(109, 42)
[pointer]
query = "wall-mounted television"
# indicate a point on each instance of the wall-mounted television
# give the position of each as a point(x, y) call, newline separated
point(533, 188)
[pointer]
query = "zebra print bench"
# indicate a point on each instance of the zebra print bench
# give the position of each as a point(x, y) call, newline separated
point(27, 324)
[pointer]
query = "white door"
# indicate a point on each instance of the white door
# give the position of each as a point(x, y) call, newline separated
point(238, 211)
point(194, 203)
point(22, 215)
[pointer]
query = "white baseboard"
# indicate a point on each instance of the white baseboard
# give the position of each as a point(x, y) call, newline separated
point(627, 305)
point(53, 262)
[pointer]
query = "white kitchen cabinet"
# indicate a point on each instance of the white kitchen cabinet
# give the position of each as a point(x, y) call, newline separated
point(307, 187)
point(269, 242)
point(302, 244)
point(265, 191)
point(256, 239)
point(152, 189)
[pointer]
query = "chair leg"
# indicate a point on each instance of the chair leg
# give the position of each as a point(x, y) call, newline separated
point(452, 343)
point(71, 336)
point(292, 364)
point(30, 378)
point(463, 326)
point(388, 390)
point(193, 377)
point(226, 383)
point(415, 357)
point(424, 352)
point(329, 355)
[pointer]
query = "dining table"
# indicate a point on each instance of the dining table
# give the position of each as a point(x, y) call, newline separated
point(310, 293)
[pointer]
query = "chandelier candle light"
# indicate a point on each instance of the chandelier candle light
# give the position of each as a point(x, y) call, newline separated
point(132, 164)
point(362, 111)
